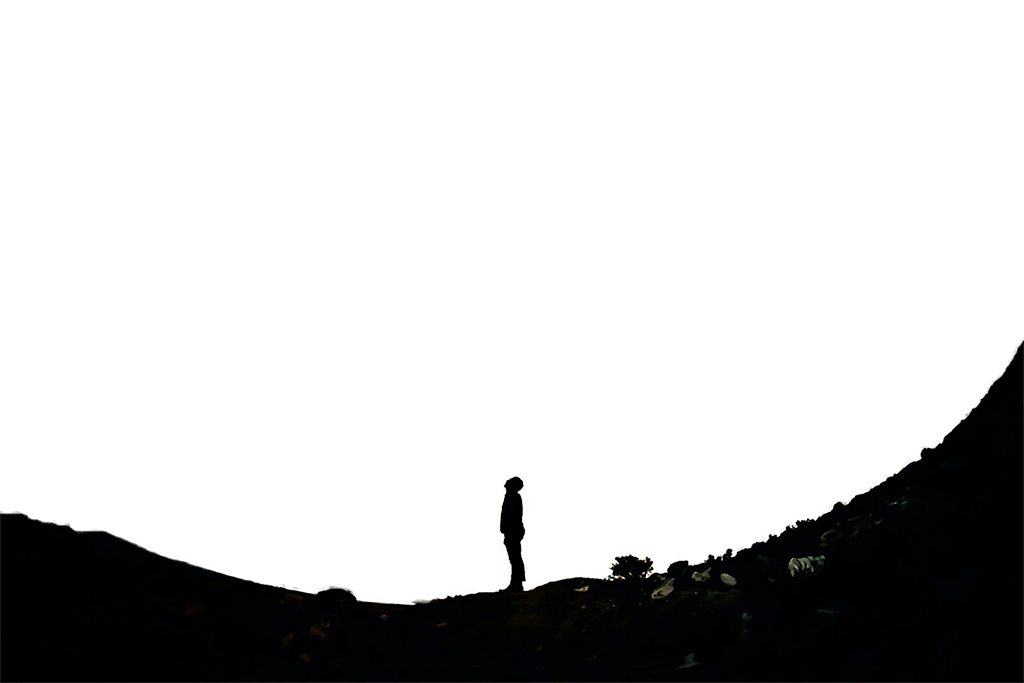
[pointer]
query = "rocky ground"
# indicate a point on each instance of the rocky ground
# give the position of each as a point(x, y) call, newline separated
point(919, 578)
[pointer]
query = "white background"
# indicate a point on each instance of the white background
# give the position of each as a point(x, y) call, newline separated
point(529, 168)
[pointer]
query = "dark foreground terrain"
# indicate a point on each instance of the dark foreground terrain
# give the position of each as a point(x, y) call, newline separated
point(921, 579)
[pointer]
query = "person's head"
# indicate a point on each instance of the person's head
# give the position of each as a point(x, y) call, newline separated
point(514, 484)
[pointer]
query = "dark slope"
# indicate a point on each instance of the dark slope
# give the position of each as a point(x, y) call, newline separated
point(922, 580)
point(259, 458)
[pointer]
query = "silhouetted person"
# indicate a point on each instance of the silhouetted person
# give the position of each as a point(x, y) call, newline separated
point(512, 527)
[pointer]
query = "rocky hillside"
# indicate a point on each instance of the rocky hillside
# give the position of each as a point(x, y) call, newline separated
point(919, 578)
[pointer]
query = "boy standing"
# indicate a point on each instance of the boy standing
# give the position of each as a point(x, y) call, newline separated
point(513, 529)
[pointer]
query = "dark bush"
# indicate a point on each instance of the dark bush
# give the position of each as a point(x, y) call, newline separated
point(630, 567)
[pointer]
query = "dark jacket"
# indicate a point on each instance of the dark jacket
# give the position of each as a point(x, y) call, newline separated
point(512, 514)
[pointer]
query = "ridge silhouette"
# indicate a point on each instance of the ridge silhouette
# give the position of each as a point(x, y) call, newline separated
point(921, 579)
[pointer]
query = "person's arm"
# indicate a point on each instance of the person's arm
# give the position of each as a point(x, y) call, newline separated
point(519, 515)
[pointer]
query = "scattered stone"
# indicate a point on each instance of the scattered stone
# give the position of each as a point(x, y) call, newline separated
point(663, 590)
point(728, 580)
point(688, 662)
point(383, 617)
point(805, 565)
point(581, 590)
point(443, 623)
point(702, 577)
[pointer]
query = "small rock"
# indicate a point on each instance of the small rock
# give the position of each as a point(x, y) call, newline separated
point(292, 598)
point(664, 590)
point(678, 568)
point(335, 594)
point(383, 617)
point(727, 580)
point(317, 630)
point(688, 662)
point(805, 565)
point(443, 623)
point(581, 590)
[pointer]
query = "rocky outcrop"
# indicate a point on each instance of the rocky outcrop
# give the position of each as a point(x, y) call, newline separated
point(717, 442)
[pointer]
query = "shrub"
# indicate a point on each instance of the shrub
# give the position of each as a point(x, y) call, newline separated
point(629, 567)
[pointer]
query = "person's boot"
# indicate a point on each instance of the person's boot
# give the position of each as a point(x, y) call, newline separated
point(514, 587)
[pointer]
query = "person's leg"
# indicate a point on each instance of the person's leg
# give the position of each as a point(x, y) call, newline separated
point(518, 568)
point(515, 558)
point(510, 549)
